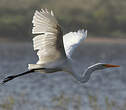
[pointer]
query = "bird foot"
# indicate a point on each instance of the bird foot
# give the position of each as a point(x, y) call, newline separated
point(7, 79)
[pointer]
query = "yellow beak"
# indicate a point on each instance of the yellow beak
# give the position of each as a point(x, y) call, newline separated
point(110, 66)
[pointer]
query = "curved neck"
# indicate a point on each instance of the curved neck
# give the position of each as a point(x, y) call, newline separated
point(85, 75)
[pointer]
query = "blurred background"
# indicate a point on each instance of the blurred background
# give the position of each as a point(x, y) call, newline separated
point(102, 18)
point(105, 21)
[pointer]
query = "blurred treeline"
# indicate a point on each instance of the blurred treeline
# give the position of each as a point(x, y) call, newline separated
point(101, 17)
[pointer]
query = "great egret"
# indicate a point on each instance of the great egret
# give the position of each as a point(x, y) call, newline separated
point(55, 50)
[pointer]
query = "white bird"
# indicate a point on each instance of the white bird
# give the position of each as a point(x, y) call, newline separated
point(55, 50)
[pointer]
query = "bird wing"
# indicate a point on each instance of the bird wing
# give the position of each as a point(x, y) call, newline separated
point(48, 40)
point(72, 40)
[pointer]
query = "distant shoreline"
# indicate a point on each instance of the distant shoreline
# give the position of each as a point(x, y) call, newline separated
point(89, 39)
point(106, 40)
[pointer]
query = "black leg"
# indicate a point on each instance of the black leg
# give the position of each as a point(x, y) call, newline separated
point(14, 76)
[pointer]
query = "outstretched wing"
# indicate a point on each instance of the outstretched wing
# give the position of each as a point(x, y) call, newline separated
point(48, 40)
point(72, 40)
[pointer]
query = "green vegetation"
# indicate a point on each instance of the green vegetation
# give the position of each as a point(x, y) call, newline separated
point(101, 17)
point(8, 104)
point(63, 102)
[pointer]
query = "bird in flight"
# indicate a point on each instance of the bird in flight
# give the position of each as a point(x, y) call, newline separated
point(55, 50)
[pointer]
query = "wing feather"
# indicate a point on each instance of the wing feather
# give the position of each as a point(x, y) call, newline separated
point(72, 40)
point(48, 40)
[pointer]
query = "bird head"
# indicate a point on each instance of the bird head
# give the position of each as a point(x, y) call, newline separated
point(100, 66)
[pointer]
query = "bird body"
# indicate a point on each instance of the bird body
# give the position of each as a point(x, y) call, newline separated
point(55, 50)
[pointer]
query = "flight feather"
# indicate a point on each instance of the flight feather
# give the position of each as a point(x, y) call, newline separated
point(72, 40)
point(48, 40)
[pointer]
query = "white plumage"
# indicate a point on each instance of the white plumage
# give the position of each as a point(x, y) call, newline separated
point(49, 41)
point(72, 40)
point(55, 50)
point(48, 38)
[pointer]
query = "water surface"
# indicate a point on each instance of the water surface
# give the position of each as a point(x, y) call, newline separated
point(60, 91)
